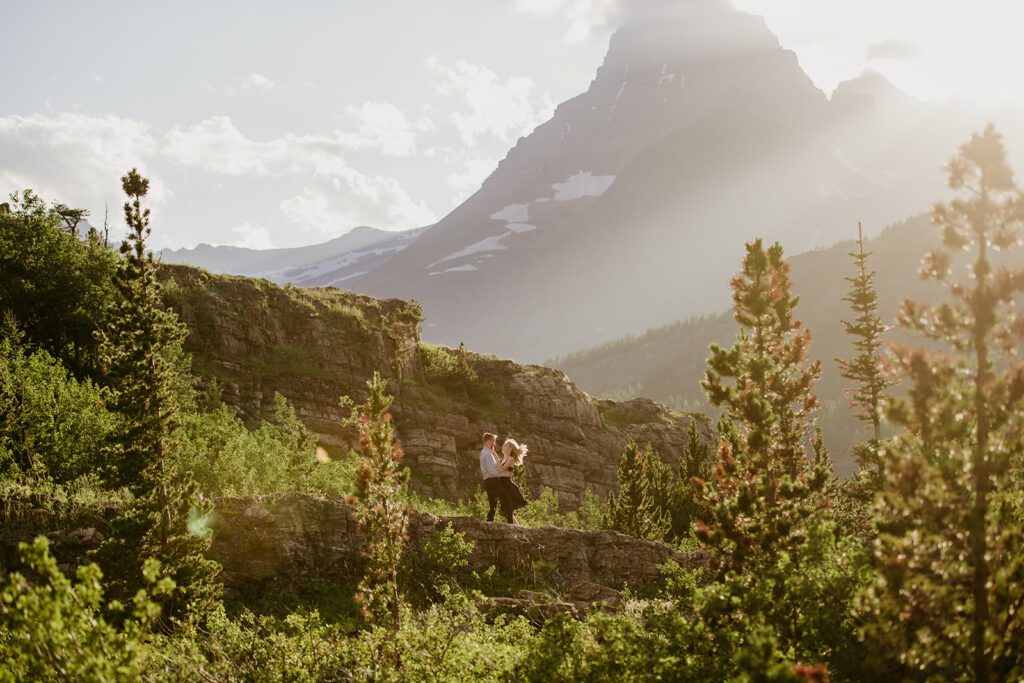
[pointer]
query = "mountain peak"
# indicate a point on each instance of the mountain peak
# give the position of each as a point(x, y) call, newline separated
point(870, 84)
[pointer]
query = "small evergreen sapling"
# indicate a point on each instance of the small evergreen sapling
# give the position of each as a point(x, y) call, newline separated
point(383, 515)
point(635, 509)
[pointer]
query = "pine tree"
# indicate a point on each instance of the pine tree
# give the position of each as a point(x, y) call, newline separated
point(141, 353)
point(694, 467)
point(764, 382)
point(950, 588)
point(763, 486)
point(383, 516)
point(635, 509)
point(865, 368)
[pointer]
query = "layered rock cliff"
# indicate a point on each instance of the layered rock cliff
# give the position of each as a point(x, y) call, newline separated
point(315, 345)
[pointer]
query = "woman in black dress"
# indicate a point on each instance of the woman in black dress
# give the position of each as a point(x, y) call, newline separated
point(512, 455)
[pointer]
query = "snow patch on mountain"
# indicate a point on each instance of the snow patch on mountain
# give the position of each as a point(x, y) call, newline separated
point(487, 244)
point(517, 228)
point(458, 269)
point(329, 265)
point(513, 213)
point(582, 184)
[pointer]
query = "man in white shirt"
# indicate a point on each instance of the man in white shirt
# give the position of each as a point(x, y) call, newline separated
point(493, 484)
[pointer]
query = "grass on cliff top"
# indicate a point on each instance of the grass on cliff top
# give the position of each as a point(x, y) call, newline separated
point(201, 289)
point(624, 415)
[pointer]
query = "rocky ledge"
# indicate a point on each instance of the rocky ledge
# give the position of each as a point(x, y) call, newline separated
point(295, 537)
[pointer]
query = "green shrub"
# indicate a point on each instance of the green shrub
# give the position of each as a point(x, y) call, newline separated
point(51, 424)
point(440, 564)
point(226, 458)
point(446, 367)
point(54, 629)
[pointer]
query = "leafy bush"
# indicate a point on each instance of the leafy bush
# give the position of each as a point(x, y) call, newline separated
point(439, 564)
point(51, 424)
point(52, 628)
point(226, 458)
point(56, 285)
point(445, 367)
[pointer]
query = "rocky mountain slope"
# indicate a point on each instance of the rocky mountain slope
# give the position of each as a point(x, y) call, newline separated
point(630, 206)
point(315, 345)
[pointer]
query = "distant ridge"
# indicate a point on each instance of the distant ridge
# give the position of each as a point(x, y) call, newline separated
point(330, 263)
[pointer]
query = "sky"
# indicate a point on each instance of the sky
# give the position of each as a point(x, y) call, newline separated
point(268, 124)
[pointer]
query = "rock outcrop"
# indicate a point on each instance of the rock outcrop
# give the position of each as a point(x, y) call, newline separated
point(295, 537)
point(292, 538)
point(315, 345)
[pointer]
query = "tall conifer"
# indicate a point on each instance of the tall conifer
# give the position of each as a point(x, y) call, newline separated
point(950, 551)
point(761, 492)
point(141, 353)
point(865, 368)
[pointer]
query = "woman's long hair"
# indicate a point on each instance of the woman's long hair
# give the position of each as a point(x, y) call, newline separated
point(519, 452)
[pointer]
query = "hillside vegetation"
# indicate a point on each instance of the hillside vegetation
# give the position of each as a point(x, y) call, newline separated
point(667, 363)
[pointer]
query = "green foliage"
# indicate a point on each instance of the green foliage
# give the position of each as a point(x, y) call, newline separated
point(771, 542)
point(54, 629)
point(440, 564)
point(763, 489)
point(449, 641)
point(865, 368)
point(226, 458)
point(694, 467)
point(636, 509)
point(298, 647)
point(764, 382)
point(141, 355)
point(947, 597)
point(68, 505)
point(383, 515)
point(51, 425)
point(446, 367)
point(56, 286)
point(545, 510)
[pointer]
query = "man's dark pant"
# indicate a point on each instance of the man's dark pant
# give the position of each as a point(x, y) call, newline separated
point(496, 494)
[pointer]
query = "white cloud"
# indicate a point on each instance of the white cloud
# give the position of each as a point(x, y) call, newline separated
point(217, 145)
point(76, 158)
point(382, 127)
point(253, 236)
point(489, 106)
point(255, 81)
point(891, 48)
point(425, 123)
point(583, 16)
point(336, 198)
point(356, 200)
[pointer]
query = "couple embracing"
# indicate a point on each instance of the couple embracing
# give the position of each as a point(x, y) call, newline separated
point(497, 472)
